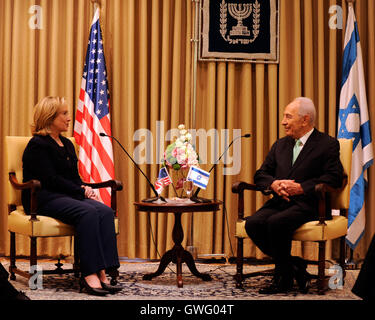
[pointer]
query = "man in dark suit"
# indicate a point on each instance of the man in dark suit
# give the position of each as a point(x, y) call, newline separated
point(292, 168)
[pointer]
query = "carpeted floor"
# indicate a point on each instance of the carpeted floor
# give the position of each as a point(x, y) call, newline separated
point(222, 286)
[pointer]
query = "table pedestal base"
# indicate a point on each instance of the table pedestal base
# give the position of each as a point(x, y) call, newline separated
point(178, 256)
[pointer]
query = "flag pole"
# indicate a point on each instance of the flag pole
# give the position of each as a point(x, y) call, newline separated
point(195, 43)
point(350, 263)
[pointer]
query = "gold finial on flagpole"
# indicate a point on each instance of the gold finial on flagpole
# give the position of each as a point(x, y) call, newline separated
point(97, 2)
point(350, 2)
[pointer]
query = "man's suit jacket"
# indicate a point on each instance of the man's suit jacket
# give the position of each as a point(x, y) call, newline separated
point(54, 166)
point(318, 162)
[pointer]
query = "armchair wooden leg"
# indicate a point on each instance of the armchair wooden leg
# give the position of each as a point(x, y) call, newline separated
point(12, 266)
point(239, 261)
point(33, 252)
point(342, 256)
point(321, 267)
point(76, 258)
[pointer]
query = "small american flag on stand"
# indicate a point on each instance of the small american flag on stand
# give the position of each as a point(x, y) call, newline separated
point(163, 180)
point(92, 117)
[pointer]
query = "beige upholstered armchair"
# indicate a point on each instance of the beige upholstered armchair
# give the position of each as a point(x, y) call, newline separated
point(319, 231)
point(34, 225)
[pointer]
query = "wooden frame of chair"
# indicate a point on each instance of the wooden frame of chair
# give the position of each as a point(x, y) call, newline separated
point(34, 186)
point(324, 191)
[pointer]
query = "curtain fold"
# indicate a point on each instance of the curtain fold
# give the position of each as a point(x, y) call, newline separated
point(148, 51)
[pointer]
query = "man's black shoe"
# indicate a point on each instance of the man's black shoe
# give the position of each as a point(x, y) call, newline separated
point(280, 285)
point(302, 277)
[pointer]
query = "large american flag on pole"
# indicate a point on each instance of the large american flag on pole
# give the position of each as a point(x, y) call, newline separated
point(353, 123)
point(92, 116)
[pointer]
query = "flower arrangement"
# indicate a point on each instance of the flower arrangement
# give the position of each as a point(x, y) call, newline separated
point(181, 154)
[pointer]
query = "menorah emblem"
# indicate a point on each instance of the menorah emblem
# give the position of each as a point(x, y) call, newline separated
point(240, 12)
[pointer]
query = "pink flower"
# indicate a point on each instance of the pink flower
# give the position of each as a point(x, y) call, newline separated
point(174, 152)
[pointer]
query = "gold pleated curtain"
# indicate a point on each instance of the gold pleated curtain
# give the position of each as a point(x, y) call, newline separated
point(148, 50)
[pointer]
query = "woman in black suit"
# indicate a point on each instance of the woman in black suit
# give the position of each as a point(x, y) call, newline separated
point(50, 158)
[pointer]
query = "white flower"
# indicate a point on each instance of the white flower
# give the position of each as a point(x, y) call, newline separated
point(183, 132)
point(179, 143)
point(181, 127)
point(188, 136)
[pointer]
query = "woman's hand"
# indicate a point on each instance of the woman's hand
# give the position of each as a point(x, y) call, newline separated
point(90, 193)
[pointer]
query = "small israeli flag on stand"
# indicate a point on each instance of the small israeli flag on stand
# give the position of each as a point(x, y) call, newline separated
point(199, 177)
point(353, 123)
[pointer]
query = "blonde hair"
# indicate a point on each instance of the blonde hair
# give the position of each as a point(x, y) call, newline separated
point(44, 113)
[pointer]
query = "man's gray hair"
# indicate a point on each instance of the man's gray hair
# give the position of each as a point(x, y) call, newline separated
point(306, 107)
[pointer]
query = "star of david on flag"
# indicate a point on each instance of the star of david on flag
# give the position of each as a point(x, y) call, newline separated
point(199, 177)
point(353, 123)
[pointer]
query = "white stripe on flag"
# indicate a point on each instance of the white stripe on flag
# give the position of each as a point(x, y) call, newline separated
point(355, 230)
point(199, 177)
point(353, 123)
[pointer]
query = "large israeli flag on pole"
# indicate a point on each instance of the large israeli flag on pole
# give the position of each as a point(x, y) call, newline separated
point(353, 123)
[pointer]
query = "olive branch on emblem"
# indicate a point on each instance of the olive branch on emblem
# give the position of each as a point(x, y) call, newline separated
point(256, 20)
point(223, 19)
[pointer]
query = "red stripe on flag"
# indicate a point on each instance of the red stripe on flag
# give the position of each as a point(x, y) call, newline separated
point(92, 116)
point(82, 94)
point(106, 160)
point(106, 196)
point(106, 125)
point(85, 175)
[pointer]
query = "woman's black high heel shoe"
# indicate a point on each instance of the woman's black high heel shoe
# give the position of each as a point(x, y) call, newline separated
point(111, 289)
point(90, 290)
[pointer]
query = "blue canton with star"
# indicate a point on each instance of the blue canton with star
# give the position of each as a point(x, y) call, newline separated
point(353, 107)
point(95, 72)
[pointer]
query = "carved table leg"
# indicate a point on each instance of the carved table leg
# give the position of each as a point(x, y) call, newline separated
point(188, 259)
point(165, 260)
point(178, 236)
point(177, 255)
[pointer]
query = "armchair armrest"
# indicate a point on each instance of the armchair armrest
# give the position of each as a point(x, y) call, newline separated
point(322, 187)
point(239, 188)
point(33, 185)
point(115, 186)
point(324, 192)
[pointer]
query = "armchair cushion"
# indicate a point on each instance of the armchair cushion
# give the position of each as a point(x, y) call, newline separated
point(240, 229)
point(313, 231)
point(310, 231)
point(19, 222)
